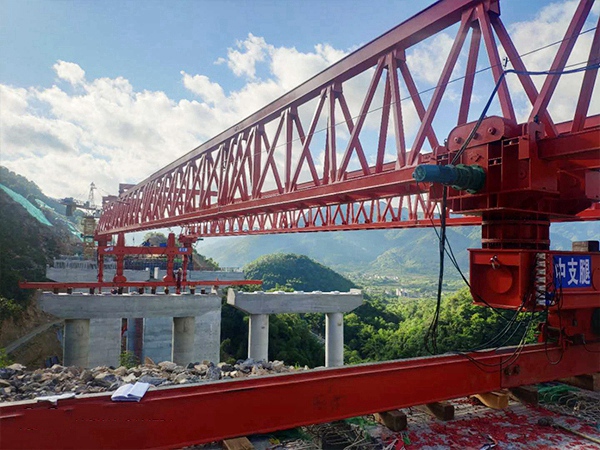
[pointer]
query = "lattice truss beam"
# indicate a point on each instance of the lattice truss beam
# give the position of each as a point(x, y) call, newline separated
point(338, 152)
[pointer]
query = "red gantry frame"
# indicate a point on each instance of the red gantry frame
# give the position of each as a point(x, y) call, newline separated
point(173, 279)
point(338, 153)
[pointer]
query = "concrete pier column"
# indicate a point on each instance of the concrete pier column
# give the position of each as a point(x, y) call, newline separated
point(334, 339)
point(158, 339)
point(105, 336)
point(258, 337)
point(131, 331)
point(207, 345)
point(76, 342)
point(260, 304)
point(184, 329)
point(150, 326)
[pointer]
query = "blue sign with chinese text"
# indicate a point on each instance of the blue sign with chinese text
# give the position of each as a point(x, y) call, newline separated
point(572, 271)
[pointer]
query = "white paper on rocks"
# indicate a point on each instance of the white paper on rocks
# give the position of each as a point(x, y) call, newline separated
point(130, 392)
point(55, 398)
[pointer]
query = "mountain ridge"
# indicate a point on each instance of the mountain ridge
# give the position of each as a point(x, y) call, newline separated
point(383, 252)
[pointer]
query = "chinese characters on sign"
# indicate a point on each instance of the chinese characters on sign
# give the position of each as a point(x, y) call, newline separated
point(571, 271)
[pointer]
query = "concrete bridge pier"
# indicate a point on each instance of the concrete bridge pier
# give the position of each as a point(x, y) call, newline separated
point(76, 342)
point(131, 334)
point(258, 337)
point(105, 342)
point(334, 339)
point(157, 339)
point(179, 328)
point(184, 329)
point(260, 304)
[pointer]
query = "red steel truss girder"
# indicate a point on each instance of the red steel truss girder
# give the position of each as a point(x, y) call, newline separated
point(580, 148)
point(295, 222)
point(560, 60)
point(226, 178)
point(182, 416)
point(232, 227)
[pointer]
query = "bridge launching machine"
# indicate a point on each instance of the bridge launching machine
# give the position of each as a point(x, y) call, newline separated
point(305, 163)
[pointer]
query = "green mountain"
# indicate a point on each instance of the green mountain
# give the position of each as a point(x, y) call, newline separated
point(295, 272)
point(395, 252)
point(29, 190)
point(292, 337)
point(30, 236)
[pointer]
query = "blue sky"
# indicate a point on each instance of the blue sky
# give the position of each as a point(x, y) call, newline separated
point(150, 42)
point(110, 91)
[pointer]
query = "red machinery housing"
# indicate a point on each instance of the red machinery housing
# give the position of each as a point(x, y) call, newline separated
point(530, 180)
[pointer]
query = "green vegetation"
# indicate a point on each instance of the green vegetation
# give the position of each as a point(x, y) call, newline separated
point(9, 308)
point(202, 262)
point(28, 189)
point(26, 247)
point(290, 339)
point(128, 359)
point(383, 328)
point(295, 272)
point(294, 339)
point(409, 256)
point(5, 360)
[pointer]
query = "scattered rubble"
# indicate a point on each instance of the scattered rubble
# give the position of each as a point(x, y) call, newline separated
point(17, 383)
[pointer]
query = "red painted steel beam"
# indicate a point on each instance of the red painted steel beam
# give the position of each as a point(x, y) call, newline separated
point(419, 223)
point(392, 182)
point(183, 416)
point(583, 145)
point(133, 284)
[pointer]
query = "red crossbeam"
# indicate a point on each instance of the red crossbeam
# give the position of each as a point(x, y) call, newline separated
point(49, 286)
point(183, 416)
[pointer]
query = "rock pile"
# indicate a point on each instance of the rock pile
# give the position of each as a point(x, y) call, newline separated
point(17, 383)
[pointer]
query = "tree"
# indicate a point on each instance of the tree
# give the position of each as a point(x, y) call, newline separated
point(379, 331)
point(155, 239)
point(296, 272)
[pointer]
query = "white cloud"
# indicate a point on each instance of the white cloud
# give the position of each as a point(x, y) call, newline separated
point(103, 130)
point(251, 50)
point(427, 60)
point(549, 26)
point(70, 72)
point(291, 67)
point(202, 86)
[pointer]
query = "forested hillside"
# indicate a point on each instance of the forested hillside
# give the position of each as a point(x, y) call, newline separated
point(291, 338)
point(381, 329)
point(295, 272)
point(28, 189)
point(26, 245)
point(397, 252)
